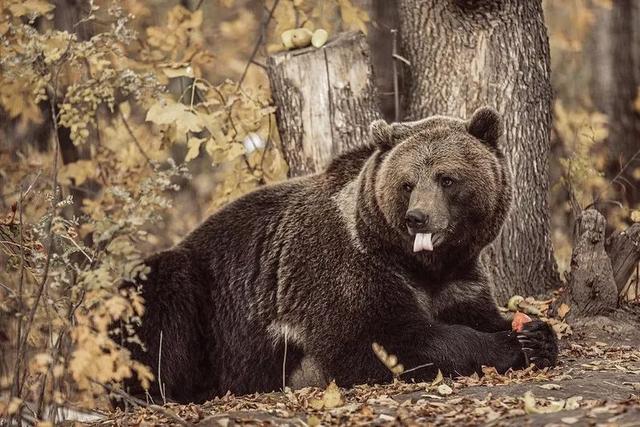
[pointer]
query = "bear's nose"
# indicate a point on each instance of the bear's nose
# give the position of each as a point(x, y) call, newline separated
point(416, 218)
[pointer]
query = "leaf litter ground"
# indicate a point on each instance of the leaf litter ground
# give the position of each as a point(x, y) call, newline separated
point(597, 382)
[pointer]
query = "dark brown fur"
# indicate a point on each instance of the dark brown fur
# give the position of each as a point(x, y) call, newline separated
point(326, 263)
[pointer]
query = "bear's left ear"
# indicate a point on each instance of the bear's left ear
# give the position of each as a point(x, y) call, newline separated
point(486, 125)
point(382, 134)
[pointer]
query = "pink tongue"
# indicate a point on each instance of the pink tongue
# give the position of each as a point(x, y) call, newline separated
point(427, 244)
point(417, 243)
point(422, 242)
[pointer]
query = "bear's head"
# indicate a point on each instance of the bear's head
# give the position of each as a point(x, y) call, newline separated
point(442, 183)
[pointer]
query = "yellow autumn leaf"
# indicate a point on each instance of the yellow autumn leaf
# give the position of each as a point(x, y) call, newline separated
point(55, 46)
point(40, 362)
point(563, 310)
point(77, 173)
point(438, 379)
point(227, 154)
point(193, 148)
point(168, 111)
point(13, 406)
point(353, 16)
point(178, 71)
point(30, 7)
point(332, 398)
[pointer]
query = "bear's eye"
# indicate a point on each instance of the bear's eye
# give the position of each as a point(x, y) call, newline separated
point(445, 181)
point(407, 187)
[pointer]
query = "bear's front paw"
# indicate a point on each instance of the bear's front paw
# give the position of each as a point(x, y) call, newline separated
point(539, 344)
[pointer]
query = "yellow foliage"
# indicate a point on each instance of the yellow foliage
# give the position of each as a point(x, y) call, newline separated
point(168, 111)
point(182, 29)
point(354, 17)
point(580, 131)
point(78, 172)
point(135, 95)
point(29, 7)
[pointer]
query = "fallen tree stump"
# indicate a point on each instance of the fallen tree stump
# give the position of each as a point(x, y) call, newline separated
point(592, 288)
point(325, 100)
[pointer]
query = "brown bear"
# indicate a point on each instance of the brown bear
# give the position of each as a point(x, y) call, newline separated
point(381, 247)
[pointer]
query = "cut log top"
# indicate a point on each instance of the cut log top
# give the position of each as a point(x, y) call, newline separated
point(325, 99)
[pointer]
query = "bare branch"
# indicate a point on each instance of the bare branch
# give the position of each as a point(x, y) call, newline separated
point(265, 24)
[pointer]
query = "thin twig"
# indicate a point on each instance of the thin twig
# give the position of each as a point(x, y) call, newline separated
point(15, 388)
point(8, 289)
point(56, 153)
point(284, 358)
point(133, 137)
point(416, 368)
point(265, 24)
point(601, 202)
point(396, 92)
point(265, 149)
point(64, 236)
point(18, 380)
point(160, 385)
point(620, 172)
point(626, 165)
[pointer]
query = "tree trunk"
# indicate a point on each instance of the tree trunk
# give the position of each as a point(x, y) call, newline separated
point(326, 101)
point(614, 53)
point(465, 54)
point(384, 18)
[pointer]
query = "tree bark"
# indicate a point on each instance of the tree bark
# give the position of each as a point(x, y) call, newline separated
point(592, 288)
point(325, 101)
point(384, 18)
point(614, 55)
point(466, 54)
point(624, 251)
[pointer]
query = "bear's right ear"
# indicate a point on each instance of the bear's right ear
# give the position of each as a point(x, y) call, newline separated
point(486, 125)
point(382, 134)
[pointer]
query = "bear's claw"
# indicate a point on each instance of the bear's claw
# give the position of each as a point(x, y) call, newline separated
point(539, 345)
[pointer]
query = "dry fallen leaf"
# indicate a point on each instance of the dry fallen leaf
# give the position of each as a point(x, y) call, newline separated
point(563, 310)
point(389, 360)
point(332, 397)
point(444, 390)
point(514, 302)
point(551, 386)
point(438, 379)
point(531, 406)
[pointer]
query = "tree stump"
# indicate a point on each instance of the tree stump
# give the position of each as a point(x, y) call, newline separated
point(592, 288)
point(624, 251)
point(325, 100)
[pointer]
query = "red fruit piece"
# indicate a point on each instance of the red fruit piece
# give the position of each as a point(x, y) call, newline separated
point(519, 319)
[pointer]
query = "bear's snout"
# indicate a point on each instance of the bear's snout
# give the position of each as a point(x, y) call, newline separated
point(416, 220)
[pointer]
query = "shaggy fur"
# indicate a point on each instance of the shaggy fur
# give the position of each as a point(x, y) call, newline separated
point(325, 262)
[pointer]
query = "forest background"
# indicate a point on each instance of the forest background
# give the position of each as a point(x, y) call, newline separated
point(124, 124)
